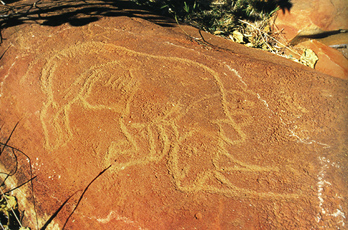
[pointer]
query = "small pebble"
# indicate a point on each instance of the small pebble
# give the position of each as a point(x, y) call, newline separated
point(198, 215)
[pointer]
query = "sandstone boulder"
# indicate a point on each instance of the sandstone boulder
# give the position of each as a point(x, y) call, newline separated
point(320, 24)
point(199, 133)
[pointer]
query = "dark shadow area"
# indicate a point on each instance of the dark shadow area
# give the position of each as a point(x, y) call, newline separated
point(202, 14)
point(211, 10)
point(79, 13)
point(318, 35)
point(284, 5)
point(76, 13)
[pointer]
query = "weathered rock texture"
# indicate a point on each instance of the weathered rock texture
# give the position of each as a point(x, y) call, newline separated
point(197, 136)
point(324, 14)
point(312, 18)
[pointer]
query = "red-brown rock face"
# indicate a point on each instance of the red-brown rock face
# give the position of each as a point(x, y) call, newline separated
point(196, 136)
point(310, 20)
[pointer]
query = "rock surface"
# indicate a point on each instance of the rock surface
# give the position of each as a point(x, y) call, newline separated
point(304, 15)
point(314, 17)
point(198, 135)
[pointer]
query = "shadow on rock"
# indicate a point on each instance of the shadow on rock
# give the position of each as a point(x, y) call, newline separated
point(76, 13)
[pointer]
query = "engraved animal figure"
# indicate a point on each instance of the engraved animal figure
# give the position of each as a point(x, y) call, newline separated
point(159, 111)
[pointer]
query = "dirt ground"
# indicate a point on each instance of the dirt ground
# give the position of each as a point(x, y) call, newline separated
point(194, 132)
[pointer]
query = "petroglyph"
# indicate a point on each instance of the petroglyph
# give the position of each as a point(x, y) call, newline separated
point(157, 113)
point(115, 217)
point(4, 78)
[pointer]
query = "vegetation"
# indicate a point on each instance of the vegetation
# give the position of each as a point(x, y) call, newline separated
point(16, 162)
point(221, 17)
point(249, 22)
point(9, 213)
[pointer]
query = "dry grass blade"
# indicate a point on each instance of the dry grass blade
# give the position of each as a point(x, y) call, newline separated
point(10, 158)
point(9, 205)
point(267, 35)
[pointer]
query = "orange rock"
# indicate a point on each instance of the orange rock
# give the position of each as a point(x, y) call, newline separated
point(306, 20)
point(330, 62)
point(324, 14)
point(249, 139)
